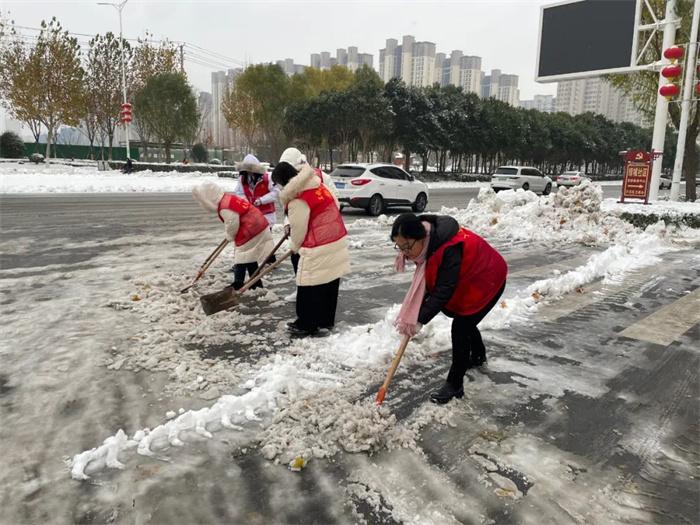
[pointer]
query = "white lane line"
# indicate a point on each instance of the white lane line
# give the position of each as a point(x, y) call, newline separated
point(668, 323)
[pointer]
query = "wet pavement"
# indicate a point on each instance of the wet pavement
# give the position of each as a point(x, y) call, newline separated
point(571, 422)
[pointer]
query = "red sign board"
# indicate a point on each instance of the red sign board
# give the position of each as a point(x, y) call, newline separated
point(636, 182)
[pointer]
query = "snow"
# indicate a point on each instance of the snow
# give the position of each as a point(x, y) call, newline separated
point(309, 395)
point(666, 208)
point(60, 178)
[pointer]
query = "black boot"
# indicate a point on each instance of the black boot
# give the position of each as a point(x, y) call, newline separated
point(299, 330)
point(446, 392)
point(237, 285)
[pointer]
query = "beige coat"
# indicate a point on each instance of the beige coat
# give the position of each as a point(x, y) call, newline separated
point(322, 264)
point(208, 196)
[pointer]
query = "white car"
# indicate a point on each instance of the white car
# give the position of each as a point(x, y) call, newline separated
point(376, 187)
point(571, 178)
point(525, 177)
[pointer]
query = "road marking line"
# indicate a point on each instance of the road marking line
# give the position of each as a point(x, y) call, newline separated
point(670, 322)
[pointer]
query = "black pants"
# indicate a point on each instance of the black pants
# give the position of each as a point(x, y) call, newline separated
point(295, 262)
point(316, 305)
point(468, 348)
point(239, 271)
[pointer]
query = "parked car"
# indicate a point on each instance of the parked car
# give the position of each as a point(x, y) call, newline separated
point(664, 182)
point(571, 178)
point(376, 187)
point(525, 177)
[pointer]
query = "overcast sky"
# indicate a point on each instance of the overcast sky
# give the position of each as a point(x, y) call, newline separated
point(502, 32)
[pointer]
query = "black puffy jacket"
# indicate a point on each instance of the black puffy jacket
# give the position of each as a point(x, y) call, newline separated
point(443, 228)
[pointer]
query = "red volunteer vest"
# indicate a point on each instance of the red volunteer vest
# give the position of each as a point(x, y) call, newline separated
point(325, 222)
point(261, 189)
point(482, 273)
point(251, 220)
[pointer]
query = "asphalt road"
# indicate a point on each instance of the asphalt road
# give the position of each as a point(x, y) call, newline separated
point(624, 415)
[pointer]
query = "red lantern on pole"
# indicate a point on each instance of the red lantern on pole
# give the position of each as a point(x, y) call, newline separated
point(674, 53)
point(672, 72)
point(125, 113)
point(669, 91)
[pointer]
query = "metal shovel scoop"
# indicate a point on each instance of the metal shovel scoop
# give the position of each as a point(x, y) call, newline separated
point(229, 297)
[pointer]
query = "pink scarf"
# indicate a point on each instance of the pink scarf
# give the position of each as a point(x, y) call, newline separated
point(407, 319)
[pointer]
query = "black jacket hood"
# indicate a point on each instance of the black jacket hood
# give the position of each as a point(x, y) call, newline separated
point(443, 228)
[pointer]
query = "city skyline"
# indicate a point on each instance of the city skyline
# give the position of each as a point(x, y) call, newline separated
point(503, 33)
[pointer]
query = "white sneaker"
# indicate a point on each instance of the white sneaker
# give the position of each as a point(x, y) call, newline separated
point(291, 297)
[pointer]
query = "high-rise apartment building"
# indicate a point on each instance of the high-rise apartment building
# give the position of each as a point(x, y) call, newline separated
point(412, 61)
point(205, 106)
point(598, 96)
point(221, 82)
point(543, 103)
point(350, 58)
point(501, 87)
point(289, 67)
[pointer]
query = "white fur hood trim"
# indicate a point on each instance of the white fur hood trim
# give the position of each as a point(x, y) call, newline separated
point(306, 179)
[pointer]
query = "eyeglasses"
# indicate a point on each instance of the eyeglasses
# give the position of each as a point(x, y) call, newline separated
point(406, 247)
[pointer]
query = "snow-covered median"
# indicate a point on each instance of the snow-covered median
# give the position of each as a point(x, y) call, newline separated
point(60, 178)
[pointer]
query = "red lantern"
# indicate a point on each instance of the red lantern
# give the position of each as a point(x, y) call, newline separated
point(672, 72)
point(125, 113)
point(674, 53)
point(669, 91)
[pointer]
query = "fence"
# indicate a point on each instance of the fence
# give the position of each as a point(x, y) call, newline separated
point(66, 151)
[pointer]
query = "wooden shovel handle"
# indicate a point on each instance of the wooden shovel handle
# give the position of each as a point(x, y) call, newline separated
point(392, 369)
point(273, 252)
point(206, 264)
point(264, 271)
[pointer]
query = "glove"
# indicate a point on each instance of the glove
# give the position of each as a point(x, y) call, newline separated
point(287, 229)
point(257, 202)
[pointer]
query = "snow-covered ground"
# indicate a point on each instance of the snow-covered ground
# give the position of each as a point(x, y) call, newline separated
point(237, 380)
point(62, 178)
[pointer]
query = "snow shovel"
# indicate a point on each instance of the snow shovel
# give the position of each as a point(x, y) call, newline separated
point(392, 369)
point(228, 297)
point(206, 264)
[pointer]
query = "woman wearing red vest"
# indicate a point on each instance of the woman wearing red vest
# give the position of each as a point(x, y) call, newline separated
point(318, 235)
point(255, 186)
point(457, 273)
point(244, 226)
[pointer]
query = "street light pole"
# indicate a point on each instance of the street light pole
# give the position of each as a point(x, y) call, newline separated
point(119, 6)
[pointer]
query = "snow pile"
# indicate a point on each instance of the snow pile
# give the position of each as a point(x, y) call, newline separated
point(321, 425)
point(637, 251)
point(570, 215)
point(60, 178)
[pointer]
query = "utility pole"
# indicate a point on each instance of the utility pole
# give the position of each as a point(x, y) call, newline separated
point(119, 7)
point(669, 23)
point(686, 96)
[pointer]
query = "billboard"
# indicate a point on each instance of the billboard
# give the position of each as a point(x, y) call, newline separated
point(586, 38)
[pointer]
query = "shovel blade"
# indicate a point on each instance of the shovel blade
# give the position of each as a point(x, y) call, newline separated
point(218, 301)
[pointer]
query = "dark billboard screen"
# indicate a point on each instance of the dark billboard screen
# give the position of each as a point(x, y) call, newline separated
point(586, 36)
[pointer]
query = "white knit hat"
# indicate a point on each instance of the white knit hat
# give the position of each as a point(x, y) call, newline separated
point(294, 157)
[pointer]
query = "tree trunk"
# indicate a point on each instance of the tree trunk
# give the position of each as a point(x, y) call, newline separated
point(49, 138)
point(167, 152)
point(690, 165)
